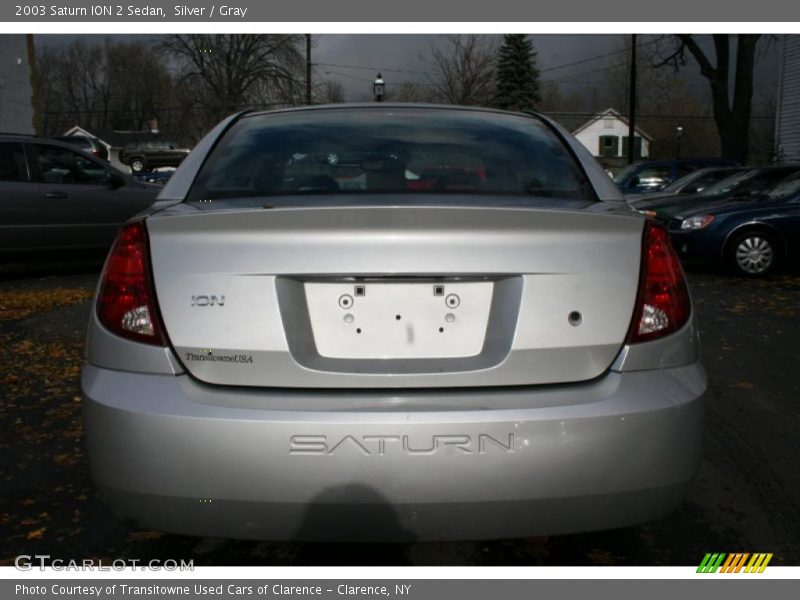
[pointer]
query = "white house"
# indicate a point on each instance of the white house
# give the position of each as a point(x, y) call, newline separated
point(114, 146)
point(606, 136)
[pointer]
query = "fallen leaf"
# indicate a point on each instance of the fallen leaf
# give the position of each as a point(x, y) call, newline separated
point(143, 536)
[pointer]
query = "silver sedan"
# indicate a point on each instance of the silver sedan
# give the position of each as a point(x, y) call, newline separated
point(392, 322)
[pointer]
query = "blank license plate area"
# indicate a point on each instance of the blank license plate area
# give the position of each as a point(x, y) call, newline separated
point(399, 320)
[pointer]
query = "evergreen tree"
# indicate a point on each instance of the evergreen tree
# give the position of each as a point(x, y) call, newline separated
point(517, 74)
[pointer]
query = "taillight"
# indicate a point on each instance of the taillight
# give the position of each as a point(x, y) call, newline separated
point(126, 304)
point(662, 304)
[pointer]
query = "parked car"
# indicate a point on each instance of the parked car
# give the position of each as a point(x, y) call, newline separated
point(146, 155)
point(158, 177)
point(751, 235)
point(88, 144)
point(652, 176)
point(57, 197)
point(692, 183)
point(756, 180)
point(508, 356)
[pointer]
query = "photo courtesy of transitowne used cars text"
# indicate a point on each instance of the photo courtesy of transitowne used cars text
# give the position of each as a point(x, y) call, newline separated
point(391, 322)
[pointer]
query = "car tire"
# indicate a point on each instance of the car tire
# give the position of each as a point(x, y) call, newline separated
point(138, 165)
point(754, 253)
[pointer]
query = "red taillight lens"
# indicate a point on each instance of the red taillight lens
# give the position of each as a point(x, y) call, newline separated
point(662, 305)
point(126, 304)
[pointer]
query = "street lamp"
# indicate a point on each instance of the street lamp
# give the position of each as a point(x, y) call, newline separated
point(379, 88)
point(678, 136)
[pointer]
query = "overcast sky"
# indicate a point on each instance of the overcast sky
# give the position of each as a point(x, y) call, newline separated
point(393, 53)
point(403, 58)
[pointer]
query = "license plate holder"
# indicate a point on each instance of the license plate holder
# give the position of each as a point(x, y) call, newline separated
point(399, 320)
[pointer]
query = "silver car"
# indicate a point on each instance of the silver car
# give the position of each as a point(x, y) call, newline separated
point(391, 322)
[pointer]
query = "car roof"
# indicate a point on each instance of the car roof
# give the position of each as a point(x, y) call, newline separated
point(34, 139)
point(18, 136)
point(389, 106)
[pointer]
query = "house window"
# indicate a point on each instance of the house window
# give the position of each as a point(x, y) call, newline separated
point(609, 146)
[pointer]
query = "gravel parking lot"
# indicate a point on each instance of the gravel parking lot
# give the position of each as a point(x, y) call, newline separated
point(745, 497)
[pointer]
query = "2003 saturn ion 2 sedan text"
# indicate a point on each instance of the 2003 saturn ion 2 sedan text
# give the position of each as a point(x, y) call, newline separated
point(391, 322)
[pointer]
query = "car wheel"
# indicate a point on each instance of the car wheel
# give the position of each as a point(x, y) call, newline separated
point(137, 165)
point(754, 254)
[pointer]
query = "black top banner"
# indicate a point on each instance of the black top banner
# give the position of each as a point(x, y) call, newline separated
point(253, 11)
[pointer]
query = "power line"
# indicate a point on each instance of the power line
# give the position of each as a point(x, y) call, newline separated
point(547, 70)
point(592, 72)
point(421, 83)
point(366, 68)
point(622, 65)
point(348, 76)
point(598, 57)
point(417, 72)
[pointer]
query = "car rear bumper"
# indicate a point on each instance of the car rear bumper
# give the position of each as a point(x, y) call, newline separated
point(172, 454)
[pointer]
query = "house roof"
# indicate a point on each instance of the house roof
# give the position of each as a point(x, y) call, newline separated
point(569, 121)
point(610, 112)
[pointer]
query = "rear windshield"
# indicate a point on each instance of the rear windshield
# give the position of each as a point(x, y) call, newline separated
point(410, 151)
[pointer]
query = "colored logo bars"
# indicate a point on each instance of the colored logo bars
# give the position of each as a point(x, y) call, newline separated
point(734, 563)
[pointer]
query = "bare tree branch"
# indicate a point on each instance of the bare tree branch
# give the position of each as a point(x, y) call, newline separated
point(464, 70)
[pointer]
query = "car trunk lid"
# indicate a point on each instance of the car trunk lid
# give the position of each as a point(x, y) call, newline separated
point(395, 296)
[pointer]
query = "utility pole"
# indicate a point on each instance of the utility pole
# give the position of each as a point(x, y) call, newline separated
point(632, 102)
point(34, 78)
point(308, 68)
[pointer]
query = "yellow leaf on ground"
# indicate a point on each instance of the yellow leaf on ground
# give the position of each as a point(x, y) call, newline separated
point(143, 536)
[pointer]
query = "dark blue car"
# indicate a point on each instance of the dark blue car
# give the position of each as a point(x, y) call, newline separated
point(752, 235)
point(654, 175)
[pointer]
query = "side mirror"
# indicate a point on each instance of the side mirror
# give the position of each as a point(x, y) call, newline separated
point(115, 180)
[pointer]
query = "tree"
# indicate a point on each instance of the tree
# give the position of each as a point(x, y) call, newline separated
point(517, 74)
point(232, 71)
point(463, 70)
point(142, 86)
point(555, 100)
point(732, 101)
point(332, 92)
point(665, 101)
point(409, 92)
point(107, 85)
